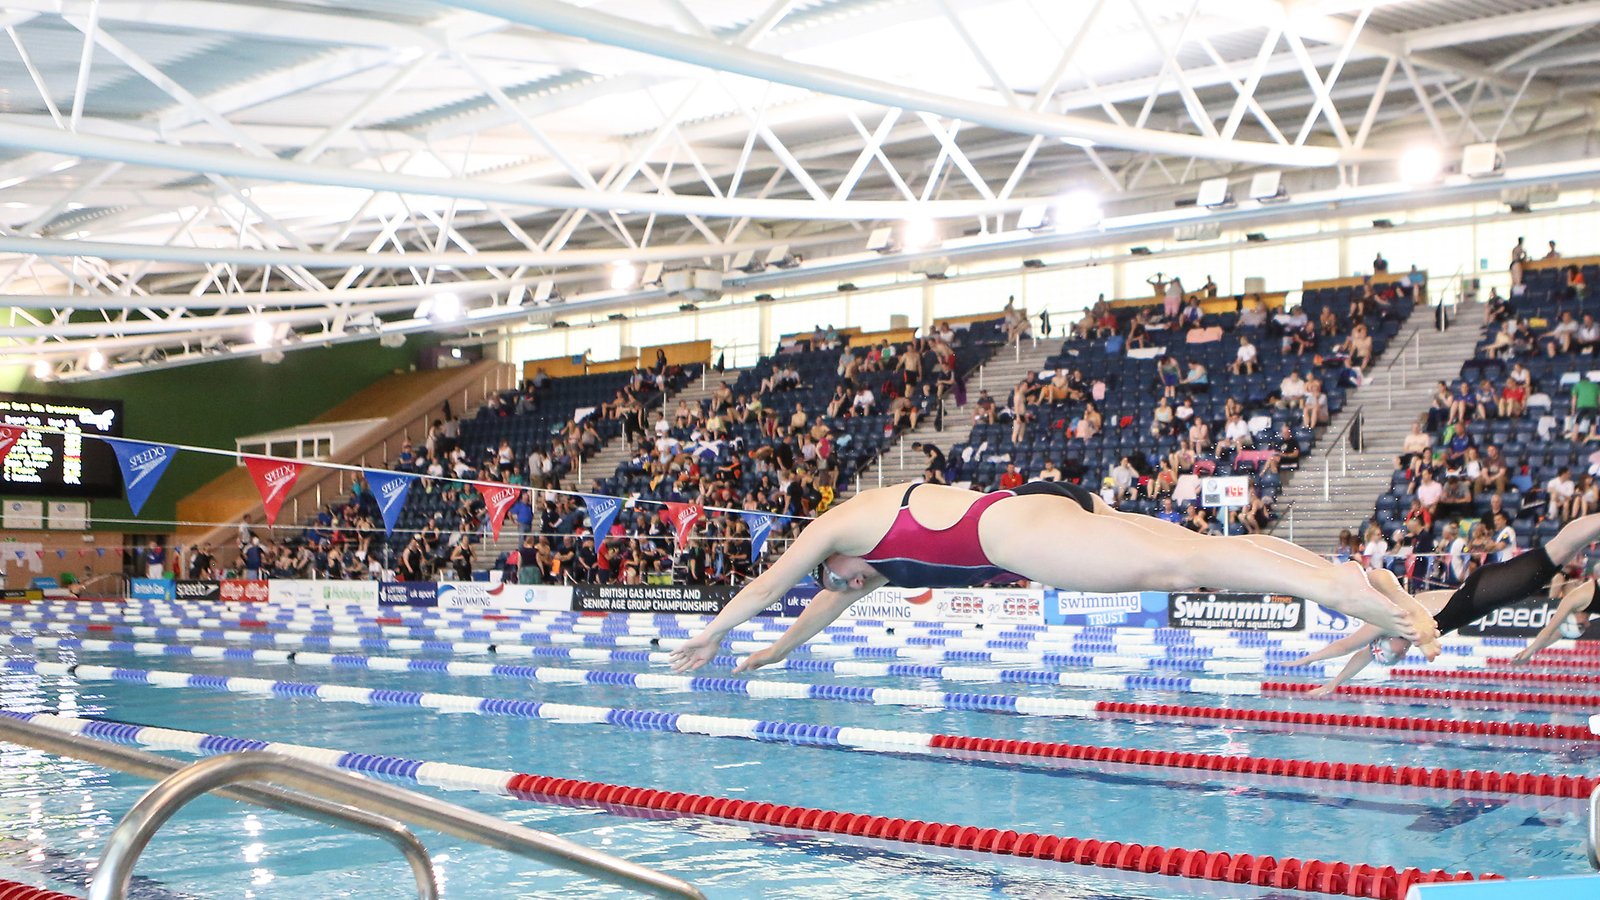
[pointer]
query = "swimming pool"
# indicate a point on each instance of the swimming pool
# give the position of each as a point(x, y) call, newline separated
point(549, 702)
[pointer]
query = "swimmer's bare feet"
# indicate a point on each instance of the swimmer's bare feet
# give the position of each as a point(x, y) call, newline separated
point(1360, 599)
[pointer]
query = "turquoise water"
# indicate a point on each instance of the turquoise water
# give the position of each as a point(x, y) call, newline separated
point(55, 814)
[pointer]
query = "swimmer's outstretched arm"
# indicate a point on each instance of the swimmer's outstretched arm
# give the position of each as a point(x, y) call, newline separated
point(810, 548)
point(823, 609)
point(1356, 663)
point(1577, 598)
point(1357, 639)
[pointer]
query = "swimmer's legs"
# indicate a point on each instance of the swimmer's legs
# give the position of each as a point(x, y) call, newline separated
point(1573, 537)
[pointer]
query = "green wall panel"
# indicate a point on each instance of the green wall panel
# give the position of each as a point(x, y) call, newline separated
point(211, 404)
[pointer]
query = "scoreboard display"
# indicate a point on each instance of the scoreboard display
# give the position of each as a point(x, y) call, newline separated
point(69, 464)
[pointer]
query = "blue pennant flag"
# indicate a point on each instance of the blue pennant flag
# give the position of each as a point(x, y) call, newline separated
point(142, 465)
point(760, 525)
point(602, 512)
point(389, 489)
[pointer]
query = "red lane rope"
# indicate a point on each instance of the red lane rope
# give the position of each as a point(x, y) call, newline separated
point(1384, 883)
point(1582, 649)
point(1408, 776)
point(16, 890)
point(1387, 723)
point(1500, 662)
point(1519, 698)
point(1499, 675)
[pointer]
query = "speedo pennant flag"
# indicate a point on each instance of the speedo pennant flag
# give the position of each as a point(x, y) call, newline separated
point(142, 465)
point(274, 478)
point(602, 512)
point(9, 435)
point(682, 517)
point(499, 498)
point(760, 525)
point(389, 489)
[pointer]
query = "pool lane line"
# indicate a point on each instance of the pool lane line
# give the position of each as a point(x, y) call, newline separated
point(1531, 784)
point(1385, 883)
point(884, 740)
point(1188, 661)
point(793, 690)
point(1136, 642)
point(16, 890)
point(1496, 675)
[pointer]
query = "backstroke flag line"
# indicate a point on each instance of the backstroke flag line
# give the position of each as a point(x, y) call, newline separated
point(142, 465)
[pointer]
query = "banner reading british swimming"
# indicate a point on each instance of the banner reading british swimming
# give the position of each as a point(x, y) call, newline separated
point(760, 525)
point(389, 489)
point(602, 512)
point(142, 466)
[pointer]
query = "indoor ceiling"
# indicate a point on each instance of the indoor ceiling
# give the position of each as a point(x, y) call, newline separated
point(190, 178)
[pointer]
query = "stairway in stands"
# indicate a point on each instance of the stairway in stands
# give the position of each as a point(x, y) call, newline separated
point(998, 376)
point(1355, 479)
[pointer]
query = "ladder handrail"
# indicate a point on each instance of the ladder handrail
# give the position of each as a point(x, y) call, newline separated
point(1594, 827)
point(319, 791)
point(148, 765)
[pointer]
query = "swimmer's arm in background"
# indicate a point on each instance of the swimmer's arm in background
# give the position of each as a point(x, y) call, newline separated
point(1579, 596)
point(1362, 636)
point(810, 548)
point(823, 609)
point(1357, 662)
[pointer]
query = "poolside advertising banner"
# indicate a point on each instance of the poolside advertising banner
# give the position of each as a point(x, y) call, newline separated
point(323, 593)
point(1228, 611)
point(1322, 620)
point(408, 593)
point(983, 605)
point(149, 589)
point(1523, 620)
point(499, 595)
point(689, 599)
point(1139, 609)
point(244, 590)
point(184, 589)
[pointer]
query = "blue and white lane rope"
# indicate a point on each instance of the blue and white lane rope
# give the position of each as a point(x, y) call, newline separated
point(787, 690)
point(929, 655)
point(882, 740)
point(446, 776)
point(1109, 652)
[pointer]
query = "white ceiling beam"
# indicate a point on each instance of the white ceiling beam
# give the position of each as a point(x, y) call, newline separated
point(616, 31)
point(1538, 21)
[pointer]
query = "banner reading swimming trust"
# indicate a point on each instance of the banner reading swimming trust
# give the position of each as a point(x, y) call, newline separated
point(760, 525)
point(274, 478)
point(389, 489)
point(142, 465)
point(602, 512)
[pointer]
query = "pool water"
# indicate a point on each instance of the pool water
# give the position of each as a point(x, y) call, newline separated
point(55, 814)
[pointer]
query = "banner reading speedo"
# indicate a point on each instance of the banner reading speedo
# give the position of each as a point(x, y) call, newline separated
point(1253, 612)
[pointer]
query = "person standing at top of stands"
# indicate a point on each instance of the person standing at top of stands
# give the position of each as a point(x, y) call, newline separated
point(1157, 284)
point(1209, 289)
point(1379, 264)
point(1054, 533)
point(1173, 299)
point(1044, 322)
point(155, 560)
point(1552, 254)
point(253, 556)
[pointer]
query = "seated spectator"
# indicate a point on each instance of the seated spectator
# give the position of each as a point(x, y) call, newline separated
point(1252, 313)
point(903, 413)
point(1197, 380)
point(1161, 419)
point(1417, 442)
point(1514, 393)
point(1169, 513)
point(864, 402)
point(1301, 338)
point(1559, 338)
point(1139, 330)
point(1374, 549)
point(984, 412)
point(1456, 500)
point(1050, 472)
point(1089, 424)
point(1244, 360)
point(1291, 391)
point(1328, 321)
point(1574, 283)
point(1288, 449)
point(1314, 407)
point(1359, 347)
point(1125, 478)
point(1559, 493)
point(1191, 316)
point(1011, 479)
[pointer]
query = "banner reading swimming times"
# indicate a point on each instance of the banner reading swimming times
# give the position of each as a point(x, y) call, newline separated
point(1246, 612)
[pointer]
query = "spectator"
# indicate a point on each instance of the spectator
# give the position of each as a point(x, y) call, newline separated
point(1292, 390)
point(1244, 360)
point(1011, 479)
point(1051, 472)
point(1552, 254)
point(1560, 491)
point(1379, 264)
point(1585, 398)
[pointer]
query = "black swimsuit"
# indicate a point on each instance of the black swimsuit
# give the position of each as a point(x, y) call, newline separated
point(1497, 585)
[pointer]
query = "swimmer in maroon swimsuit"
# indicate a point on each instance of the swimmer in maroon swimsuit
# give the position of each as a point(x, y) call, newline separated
point(1054, 533)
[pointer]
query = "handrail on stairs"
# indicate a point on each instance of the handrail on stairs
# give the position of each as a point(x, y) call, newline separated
point(1414, 344)
point(1344, 446)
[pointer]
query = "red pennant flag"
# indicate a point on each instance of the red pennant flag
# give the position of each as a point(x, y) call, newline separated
point(499, 497)
point(274, 478)
point(9, 435)
point(682, 517)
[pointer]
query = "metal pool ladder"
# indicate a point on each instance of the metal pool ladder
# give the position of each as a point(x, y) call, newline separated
point(320, 793)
